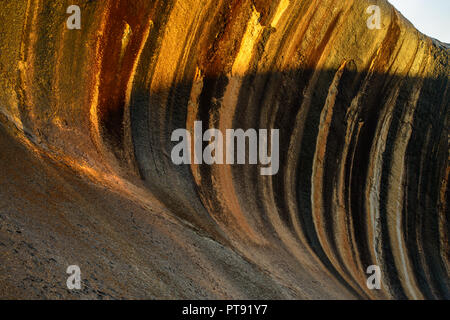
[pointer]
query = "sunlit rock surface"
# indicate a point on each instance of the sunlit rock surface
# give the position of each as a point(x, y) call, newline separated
point(87, 178)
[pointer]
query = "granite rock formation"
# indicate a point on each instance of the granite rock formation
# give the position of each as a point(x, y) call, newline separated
point(87, 178)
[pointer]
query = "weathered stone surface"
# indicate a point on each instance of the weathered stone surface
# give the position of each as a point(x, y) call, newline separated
point(87, 179)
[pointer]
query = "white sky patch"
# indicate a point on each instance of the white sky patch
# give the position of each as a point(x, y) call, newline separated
point(430, 17)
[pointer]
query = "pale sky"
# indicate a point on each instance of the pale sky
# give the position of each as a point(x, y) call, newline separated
point(430, 17)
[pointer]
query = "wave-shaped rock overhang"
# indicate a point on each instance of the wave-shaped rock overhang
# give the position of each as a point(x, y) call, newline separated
point(363, 118)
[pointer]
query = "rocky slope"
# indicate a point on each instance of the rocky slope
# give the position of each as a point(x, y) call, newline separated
point(87, 177)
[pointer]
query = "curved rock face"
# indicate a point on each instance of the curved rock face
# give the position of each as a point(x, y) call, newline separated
point(88, 179)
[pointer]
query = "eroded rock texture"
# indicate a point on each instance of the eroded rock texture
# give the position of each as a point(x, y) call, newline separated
point(87, 178)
